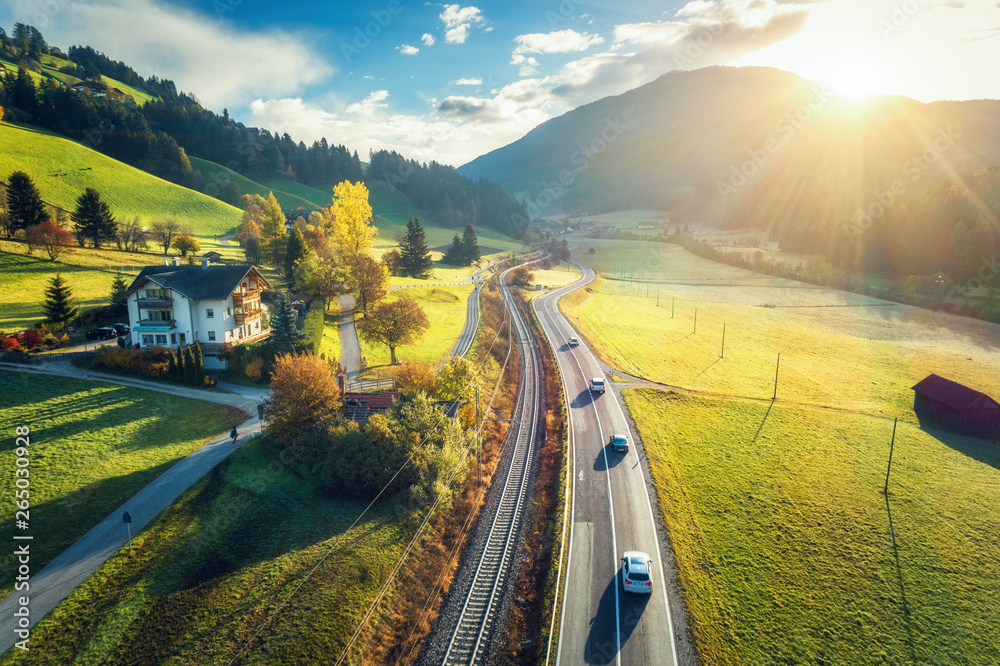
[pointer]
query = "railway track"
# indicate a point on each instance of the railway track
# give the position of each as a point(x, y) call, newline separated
point(469, 637)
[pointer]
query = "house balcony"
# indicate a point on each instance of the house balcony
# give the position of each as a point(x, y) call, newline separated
point(243, 318)
point(157, 303)
point(153, 325)
point(245, 297)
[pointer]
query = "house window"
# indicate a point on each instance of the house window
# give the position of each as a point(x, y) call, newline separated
point(152, 293)
point(161, 339)
point(229, 311)
point(161, 315)
point(257, 325)
point(211, 335)
point(147, 339)
point(210, 313)
point(183, 338)
point(173, 338)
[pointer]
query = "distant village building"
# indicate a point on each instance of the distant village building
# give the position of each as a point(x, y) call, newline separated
point(212, 256)
point(3, 68)
point(174, 305)
point(956, 406)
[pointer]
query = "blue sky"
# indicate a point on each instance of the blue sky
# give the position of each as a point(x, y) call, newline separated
point(448, 82)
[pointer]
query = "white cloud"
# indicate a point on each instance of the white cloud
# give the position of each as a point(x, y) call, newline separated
point(422, 137)
point(222, 66)
point(406, 49)
point(458, 20)
point(428, 39)
point(560, 41)
point(369, 105)
point(528, 64)
point(468, 82)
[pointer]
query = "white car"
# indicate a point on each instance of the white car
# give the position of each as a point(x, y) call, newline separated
point(597, 385)
point(573, 342)
point(636, 576)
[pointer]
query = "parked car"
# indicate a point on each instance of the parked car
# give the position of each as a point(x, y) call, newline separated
point(619, 443)
point(122, 329)
point(103, 333)
point(636, 575)
point(597, 385)
point(573, 342)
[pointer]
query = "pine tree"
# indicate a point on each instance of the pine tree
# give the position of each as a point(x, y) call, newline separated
point(188, 366)
point(93, 218)
point(272, 231)
point(295, 250)
point(199, 365)
point(118, 287)
point(59, 308)
point(455, 255)
point(24, 203)
point(171, 366)
point(416, 257)
point(470, 246)
point(283, 332)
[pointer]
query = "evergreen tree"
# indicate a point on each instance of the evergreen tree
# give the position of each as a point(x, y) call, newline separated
point(283, 332)
point(416, 257)
point(93, 218)
point(171, 366)
point(295, 250)
point(470, 245)
point(188, 366)
point(455, 255)
point(118, 287)
point(199, 365)
point(59, 308)
point(24, 203)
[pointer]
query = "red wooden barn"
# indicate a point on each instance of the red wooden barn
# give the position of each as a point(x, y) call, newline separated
point(956, 406)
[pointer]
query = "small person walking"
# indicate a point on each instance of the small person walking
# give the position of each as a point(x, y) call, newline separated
point(233, 434)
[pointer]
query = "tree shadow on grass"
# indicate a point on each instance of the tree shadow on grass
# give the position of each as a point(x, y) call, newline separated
point(985, 449)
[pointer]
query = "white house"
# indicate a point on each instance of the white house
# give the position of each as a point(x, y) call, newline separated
point(174, 305)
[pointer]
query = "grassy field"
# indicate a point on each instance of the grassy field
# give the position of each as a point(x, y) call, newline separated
point(560, 276)
point(837, 349)
point(22, 289)
point(789, 552)
point(62, 169)
point(330, 346)
point(445, 307)
point(207, 573)
point(216, 173)
point(93, 445)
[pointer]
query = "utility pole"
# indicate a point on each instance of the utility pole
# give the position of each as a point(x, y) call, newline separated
point(657, 298)
point(892, 445)
point(775, 396)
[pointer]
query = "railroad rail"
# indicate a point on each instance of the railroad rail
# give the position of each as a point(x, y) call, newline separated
point(470, 636)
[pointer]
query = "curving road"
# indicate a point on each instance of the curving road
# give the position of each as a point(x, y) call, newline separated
point(611, 513)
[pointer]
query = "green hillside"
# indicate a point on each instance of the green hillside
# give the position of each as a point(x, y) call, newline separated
point(216, 174)
point(50, 70)
point(62, 169)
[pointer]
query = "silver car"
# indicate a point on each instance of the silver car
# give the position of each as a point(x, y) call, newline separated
point(636, 576)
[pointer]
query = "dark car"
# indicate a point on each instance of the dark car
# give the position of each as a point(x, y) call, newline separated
point(122, 329)
point(619, 443)
point(103, 333)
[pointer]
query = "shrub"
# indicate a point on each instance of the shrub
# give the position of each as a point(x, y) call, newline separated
point(31, 338)
point(50, 340)
point(254, 369)
point(304, 391)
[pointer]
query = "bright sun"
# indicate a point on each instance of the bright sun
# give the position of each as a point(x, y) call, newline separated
point(855, 78)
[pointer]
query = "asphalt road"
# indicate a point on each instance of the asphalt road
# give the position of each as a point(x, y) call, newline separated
point(611, 513)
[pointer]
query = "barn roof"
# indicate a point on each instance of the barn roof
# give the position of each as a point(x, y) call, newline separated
point(949, 393)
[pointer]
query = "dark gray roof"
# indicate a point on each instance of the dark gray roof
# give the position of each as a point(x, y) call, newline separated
point(214, 283)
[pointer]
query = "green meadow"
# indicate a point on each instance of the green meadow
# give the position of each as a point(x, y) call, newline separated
point(93, 445)
point(445, 308)
point(210, 570)
point(22, 289)
point(789, 552)
point(62, 169)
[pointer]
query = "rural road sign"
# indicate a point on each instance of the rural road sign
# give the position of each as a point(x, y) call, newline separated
point(126, 517)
